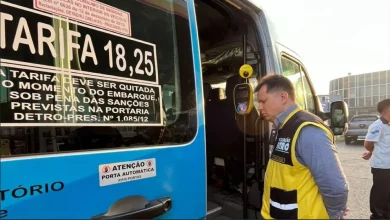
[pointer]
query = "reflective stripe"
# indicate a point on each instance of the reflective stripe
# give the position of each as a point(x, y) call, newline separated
point(283, 206)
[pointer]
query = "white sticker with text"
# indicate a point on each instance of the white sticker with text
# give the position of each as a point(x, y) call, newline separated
point(110, 174)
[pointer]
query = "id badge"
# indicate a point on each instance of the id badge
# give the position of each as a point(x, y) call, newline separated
point(274, 134)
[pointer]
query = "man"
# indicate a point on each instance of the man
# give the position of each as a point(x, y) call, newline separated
point(304, 178)
point(377, 144)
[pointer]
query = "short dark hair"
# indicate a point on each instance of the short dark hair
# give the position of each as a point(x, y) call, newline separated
point(277, 82)
point(383, 105)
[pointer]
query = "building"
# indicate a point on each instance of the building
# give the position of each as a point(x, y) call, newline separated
point(361, 92)
point(325, 102)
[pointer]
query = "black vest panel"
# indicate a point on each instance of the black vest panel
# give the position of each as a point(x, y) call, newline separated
point(283, 144)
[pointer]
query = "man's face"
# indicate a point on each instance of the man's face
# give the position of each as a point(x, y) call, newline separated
point(386, 112)
point(271, 104)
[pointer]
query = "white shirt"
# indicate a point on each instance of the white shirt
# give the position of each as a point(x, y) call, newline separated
point(379, 133)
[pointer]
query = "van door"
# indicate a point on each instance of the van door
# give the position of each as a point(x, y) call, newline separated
point(85, 89)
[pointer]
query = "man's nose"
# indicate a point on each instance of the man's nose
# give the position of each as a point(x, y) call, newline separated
point(260, 107)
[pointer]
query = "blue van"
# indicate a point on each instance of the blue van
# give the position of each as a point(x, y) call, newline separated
point(124, 109)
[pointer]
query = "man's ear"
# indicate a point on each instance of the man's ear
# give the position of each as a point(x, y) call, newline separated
point(284, 96)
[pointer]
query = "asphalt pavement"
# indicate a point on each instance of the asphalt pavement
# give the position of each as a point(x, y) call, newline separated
point(359, 177)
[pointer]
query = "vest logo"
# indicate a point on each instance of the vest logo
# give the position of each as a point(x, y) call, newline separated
point(283, 145)
point(278, 159)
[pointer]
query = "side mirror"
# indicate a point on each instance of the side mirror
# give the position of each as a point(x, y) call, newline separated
point(339, 116)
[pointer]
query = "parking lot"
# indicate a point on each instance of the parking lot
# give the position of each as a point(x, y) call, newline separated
point(359, 178)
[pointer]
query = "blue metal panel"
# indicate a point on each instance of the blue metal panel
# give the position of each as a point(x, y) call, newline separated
point(181, 174)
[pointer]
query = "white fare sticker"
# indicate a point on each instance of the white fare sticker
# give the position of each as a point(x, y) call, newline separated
point(110, 174)
point(90, 12)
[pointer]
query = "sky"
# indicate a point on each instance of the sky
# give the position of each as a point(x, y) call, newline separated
point(334, 37)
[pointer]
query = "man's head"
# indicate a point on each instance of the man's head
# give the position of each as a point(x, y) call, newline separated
point(275, 95)
point(384, 108)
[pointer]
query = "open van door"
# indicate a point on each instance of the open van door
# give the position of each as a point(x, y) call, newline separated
point(85, 89)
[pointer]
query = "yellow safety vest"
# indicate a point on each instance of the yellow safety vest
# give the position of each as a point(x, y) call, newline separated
point(290, 191)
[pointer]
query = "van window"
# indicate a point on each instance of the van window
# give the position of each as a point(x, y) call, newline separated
point(304, 94)
point(291, 70)
point(97, 75)
point(309, 97)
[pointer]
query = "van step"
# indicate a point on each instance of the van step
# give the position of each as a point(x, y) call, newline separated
point(221, 217)
point(213, 210)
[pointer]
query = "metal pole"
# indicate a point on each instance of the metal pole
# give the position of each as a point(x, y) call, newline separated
point(244, 187)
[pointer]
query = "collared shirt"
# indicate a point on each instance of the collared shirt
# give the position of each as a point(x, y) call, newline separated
point(316, 151)
point(379, 133)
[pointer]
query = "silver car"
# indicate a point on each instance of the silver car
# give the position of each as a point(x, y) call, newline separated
point(358, 127)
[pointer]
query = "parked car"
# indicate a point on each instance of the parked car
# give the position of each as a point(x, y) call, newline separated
point(358, 127)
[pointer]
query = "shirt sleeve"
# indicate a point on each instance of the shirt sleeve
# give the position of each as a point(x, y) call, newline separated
point(317, 152)
point(374, 132)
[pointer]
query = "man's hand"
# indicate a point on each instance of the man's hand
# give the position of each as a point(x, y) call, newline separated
point(367, 155)
point(345, 213)
point(346, 128)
